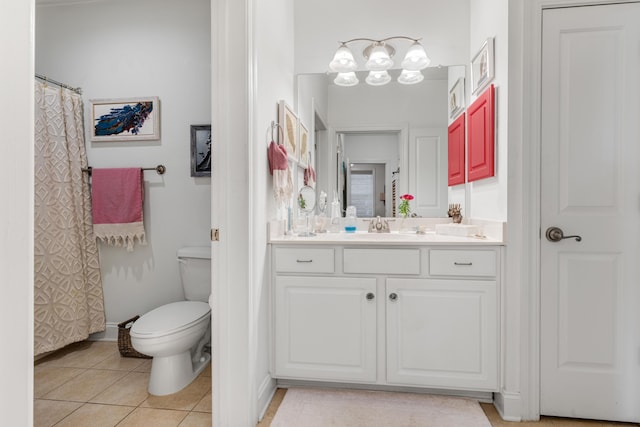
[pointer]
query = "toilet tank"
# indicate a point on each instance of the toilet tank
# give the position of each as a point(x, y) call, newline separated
point(195, 272)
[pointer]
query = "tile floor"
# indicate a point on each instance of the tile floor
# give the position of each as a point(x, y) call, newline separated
point(90, 384)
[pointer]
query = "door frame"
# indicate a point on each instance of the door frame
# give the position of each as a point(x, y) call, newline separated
point(531, 85)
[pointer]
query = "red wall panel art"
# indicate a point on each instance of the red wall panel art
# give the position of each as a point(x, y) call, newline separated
point(481, 133)
point(456, 151)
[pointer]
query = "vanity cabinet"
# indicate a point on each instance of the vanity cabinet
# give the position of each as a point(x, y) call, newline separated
point(325, 328)
point(415, 316)
point(442, 333)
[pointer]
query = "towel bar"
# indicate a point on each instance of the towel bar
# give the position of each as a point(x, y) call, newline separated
point(160, 169)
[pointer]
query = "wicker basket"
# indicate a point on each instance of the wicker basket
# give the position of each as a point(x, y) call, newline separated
point(124, 340)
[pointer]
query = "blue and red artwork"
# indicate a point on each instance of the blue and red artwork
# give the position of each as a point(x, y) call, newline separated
point(128, 118)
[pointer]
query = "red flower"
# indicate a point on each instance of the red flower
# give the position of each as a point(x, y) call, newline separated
point(404, 207)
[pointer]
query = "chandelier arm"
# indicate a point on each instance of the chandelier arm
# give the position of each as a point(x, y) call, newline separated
point(400, 37)
point(359, 39)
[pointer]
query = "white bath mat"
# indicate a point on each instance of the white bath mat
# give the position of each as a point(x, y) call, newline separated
point(308, 407)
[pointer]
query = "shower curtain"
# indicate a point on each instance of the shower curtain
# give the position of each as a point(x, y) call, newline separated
point(68, 298)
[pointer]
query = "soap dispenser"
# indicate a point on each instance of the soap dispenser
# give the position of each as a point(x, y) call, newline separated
point(350, 222)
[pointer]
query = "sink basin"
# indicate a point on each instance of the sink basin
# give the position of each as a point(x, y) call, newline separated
point(462, 230)
point(383, 237)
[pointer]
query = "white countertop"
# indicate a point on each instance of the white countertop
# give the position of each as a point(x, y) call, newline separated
point(392, 238)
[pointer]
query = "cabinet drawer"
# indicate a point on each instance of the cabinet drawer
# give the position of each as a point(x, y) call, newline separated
point(304, 260)
point(462, 263)
point(382, 261)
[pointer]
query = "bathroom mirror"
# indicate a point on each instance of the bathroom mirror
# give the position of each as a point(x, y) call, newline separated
point(307, 204)
point(372, 145)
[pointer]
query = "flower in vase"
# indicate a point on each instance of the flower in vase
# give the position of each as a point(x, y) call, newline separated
point(404, 207)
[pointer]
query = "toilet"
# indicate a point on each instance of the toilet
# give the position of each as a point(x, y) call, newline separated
point(176, 334)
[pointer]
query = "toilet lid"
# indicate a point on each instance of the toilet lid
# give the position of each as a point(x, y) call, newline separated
point(170, 318)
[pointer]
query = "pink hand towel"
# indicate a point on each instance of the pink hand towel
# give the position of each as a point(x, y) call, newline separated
point(117, 197)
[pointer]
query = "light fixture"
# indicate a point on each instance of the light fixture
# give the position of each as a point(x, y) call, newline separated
point(346, 79)
point(408, 77)
point(416, 58)
point(343, 61)
point(378, 55)
point(378, 78)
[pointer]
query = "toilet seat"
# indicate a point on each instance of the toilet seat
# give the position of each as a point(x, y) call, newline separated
point(170, 319)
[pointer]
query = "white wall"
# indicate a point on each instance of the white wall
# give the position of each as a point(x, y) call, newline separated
point(320, 25)
point(16, 215)
point(128, 48)
point(421, 105)
point(275, 81)
point(489, 18)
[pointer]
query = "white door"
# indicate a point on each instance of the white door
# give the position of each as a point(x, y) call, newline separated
point(428, 180)
point(590, 187)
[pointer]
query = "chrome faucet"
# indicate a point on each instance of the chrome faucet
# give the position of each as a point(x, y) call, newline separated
point(379, 225)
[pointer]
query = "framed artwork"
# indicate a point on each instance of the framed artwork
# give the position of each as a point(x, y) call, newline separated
point(481, 136)
point(303, 138)
point(289, 122)
point(125, 119)
point(456, 98)
point(201, 150)
point(482, 67)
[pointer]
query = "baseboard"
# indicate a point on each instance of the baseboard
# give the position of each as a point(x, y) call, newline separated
point(109, 334)
point(266, 391)
point(508, 405)
point(480, 396)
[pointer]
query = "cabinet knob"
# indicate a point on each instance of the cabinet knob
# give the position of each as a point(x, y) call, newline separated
point(370, 296)
point(393, 296)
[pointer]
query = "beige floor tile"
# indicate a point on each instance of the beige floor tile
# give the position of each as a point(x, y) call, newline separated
point(145, 366)
point(206, 372)
point(94, 415)
point(46, 413)
point(151, 417)
point(47, 378)
point(86, 385)
point(119, 363)
point(186, 399)
point(196, 419)
point(205, 404)
point(130, 390)
point(85, 354)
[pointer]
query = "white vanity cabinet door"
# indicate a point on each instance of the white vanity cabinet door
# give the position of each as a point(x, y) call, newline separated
point(442, 333)
point(325, 328)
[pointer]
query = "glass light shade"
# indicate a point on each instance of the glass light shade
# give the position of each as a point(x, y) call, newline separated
point(346, 79)
point(410, 77)
point(379, 59)
point(416, 58)
point(378, 78)
point(343, 61)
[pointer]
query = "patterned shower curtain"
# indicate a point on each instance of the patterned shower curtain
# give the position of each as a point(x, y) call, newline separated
point(68, 299)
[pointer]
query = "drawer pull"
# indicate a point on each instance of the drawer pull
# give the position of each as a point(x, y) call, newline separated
point(304, 260)
point(370, 296)
point(462, 263)
point(393, 297)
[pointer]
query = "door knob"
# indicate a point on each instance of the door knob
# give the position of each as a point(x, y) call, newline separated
point(393, 296)
point(370, 296)
point(555, 234)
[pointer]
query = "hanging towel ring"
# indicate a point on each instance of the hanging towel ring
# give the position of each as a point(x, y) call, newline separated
point(275, 125)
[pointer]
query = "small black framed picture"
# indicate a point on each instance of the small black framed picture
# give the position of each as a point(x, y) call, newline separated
point(201, 150)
